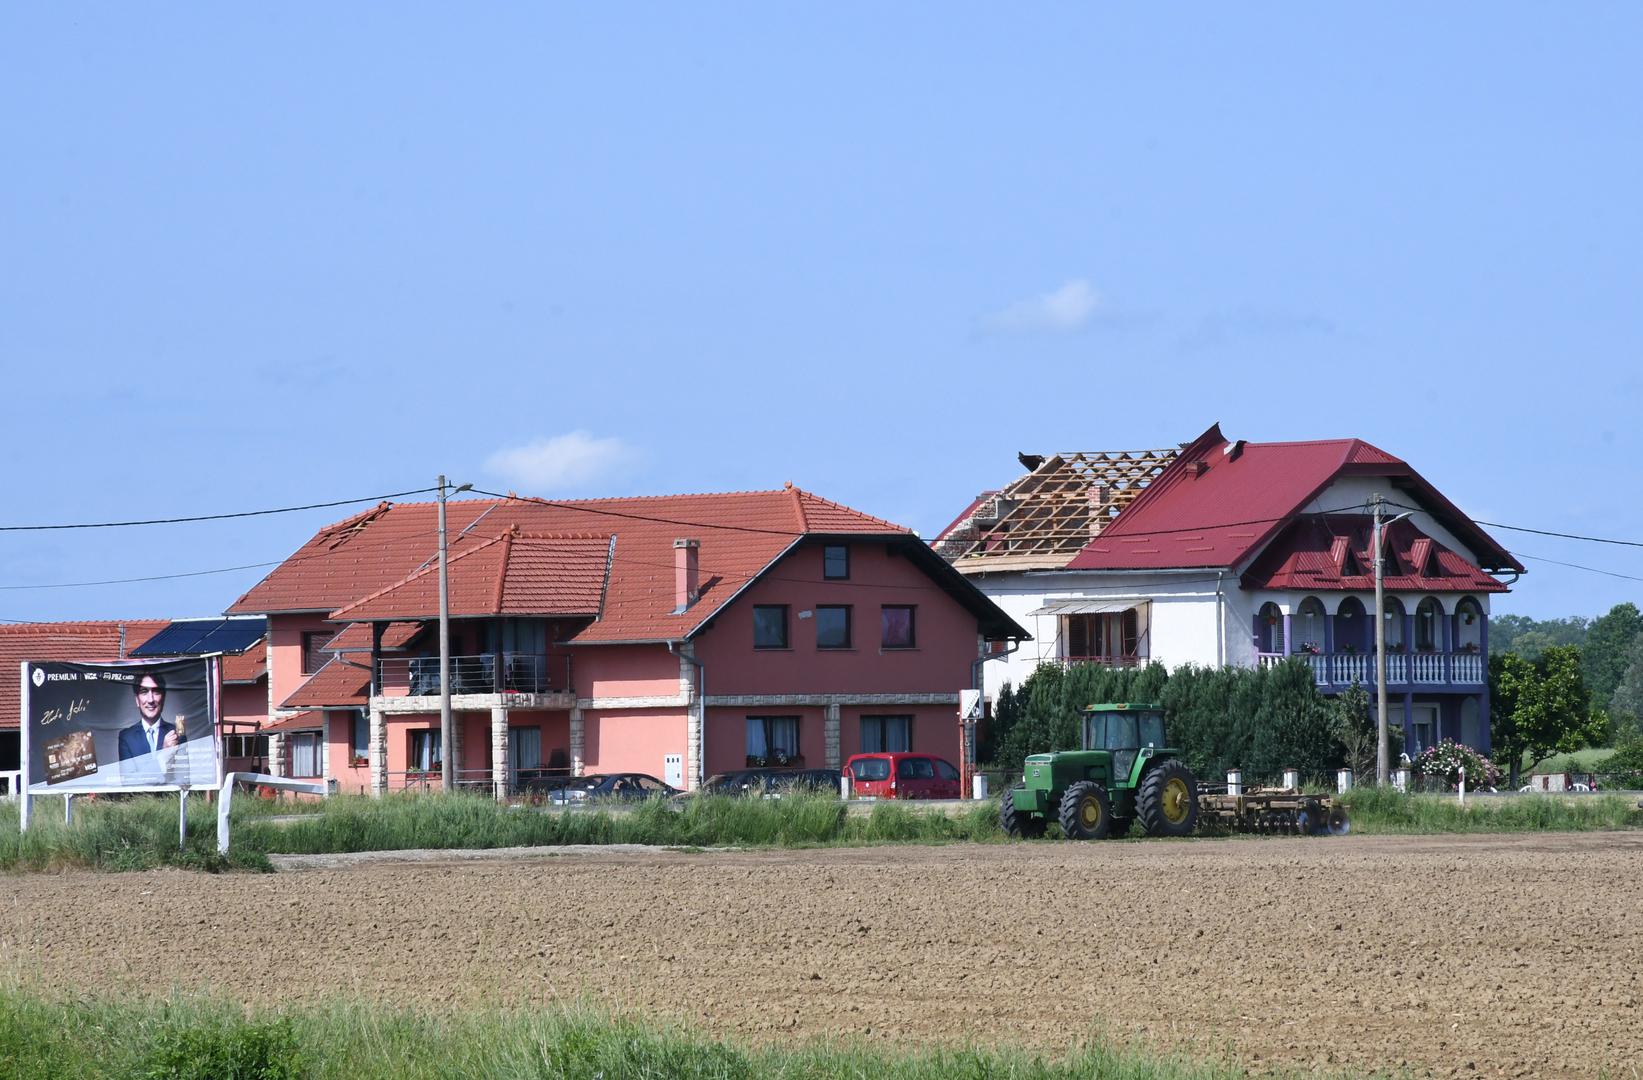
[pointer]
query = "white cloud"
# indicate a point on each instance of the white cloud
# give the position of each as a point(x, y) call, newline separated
point(575, 460)
point(1059, 311)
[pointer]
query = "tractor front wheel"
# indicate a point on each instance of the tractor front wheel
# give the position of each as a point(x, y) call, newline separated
point(1016, 823)
point(1086, 813)
point(1167, 801)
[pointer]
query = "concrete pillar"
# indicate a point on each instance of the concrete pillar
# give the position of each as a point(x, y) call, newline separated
point(501, 766)
point(576, 744)
point(830, 737)
point(325, 745)
point(1289, 645)
point(276, 754)
point(455, 749)
point(377, 751)
point(693, 748)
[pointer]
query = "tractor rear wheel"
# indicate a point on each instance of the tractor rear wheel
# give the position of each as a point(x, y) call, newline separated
point(1167, 801)
point(1086, 813)
point(1017, 823)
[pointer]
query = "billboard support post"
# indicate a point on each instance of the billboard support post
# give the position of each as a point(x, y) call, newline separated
point(68, 809)
point(182, 819)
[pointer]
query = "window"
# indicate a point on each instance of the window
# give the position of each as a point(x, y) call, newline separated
point(915, 768)
point(359, 745)
point(525, 748)
point(945, 771)
point(772, 741)
point(896, 624)
point(770, 626)
point(872, 769)
point(833, 627)
point(314, 657)
point(305, 753)
point(886, 734)
point(424, 750)
point(835, 562)
point(1427, 636)
point(246, 746)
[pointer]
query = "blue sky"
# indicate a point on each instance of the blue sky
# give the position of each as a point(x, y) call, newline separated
point(273, 255)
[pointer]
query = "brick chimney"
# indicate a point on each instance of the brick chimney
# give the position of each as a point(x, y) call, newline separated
point(687, 574)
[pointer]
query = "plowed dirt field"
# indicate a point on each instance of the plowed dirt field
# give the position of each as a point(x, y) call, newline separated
point(1491, 955)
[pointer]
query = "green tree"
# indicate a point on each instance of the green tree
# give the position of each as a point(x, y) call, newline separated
point(1528, 637)
point(1541, 708)
point(1626, 703)
point(1606, 652)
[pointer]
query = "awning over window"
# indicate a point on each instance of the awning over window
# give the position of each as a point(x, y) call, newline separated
point(1085, 607)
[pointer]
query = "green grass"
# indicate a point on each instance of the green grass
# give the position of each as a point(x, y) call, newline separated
point(140, 832)
point(44, 1038)
point(1588, 760)
point(1381, 811)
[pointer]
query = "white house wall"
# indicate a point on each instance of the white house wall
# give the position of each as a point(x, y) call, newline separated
point(1179, 621)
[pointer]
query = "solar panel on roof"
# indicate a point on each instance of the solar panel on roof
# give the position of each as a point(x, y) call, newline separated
point(196, 637)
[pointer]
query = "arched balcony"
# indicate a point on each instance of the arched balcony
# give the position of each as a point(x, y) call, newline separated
point(1427, 646)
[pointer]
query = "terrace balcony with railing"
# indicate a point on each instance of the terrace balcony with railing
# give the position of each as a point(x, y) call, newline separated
point(484, 673)
point(1113, 660)
point(1420, 669)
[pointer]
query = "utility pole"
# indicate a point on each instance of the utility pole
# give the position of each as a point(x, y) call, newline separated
point(1383, 755)
point(447, 765)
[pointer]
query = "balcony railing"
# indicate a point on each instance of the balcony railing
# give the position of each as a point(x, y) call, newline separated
point(486, 673)
point(1125, 660)
point(1402, 669)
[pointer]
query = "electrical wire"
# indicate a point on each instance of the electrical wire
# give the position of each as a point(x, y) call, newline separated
point(213, 517)
point(1537, 532)
point(1577, 566)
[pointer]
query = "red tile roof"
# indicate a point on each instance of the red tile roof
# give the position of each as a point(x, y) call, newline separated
point(741, 533)
point(1334, 553)
point(1220, 502)
point(303, 721)
point(75, 642)
point(517, 573)
point(249, 666)
point(337, 684)
point(356, 637)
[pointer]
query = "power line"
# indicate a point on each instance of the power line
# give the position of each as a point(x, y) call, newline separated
point(1577, 566)
point(1537, 532)
point(212, 517)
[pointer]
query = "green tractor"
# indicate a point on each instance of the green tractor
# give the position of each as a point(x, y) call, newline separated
point(1126, 773)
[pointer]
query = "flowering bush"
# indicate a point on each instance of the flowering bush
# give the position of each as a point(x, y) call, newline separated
point(1445, 760)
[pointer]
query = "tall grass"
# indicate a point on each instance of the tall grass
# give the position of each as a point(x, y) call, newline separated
point(45, 1039)
point(137, 832)
point(140, 832)
point(1377, 810)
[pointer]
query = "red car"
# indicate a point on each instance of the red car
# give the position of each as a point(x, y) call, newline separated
point(901, 776)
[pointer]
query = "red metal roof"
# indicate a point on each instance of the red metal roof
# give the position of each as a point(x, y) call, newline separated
point(512, 574)
point(74, 642)
point(1311, 554)
point(1219, 502)
point(741, 533)
point(336, 684)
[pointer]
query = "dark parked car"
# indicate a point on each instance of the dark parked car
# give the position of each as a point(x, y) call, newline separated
point(771, 783)
point(628, 787)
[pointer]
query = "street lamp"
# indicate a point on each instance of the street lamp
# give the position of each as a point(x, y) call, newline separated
point(447, 763)
point(1382, 756)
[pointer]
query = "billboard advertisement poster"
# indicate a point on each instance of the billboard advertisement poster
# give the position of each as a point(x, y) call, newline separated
point(148, 724)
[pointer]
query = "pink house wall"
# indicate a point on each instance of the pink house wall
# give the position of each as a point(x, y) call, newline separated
point(245, 703)
point(339, 738)
point(727, 736)
point(285, 650)
point(629, 742)
point(944, 632)
point(625, 671)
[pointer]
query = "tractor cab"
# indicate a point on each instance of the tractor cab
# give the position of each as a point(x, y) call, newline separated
point(1123, 729)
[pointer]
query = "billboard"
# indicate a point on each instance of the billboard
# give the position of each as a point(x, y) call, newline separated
point(149, 724)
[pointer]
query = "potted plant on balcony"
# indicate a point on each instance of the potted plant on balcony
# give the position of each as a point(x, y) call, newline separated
point(358, 761)
point(1469, 647)
point(1308, 648)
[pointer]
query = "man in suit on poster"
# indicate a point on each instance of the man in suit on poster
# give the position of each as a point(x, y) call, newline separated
point(151, 733)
